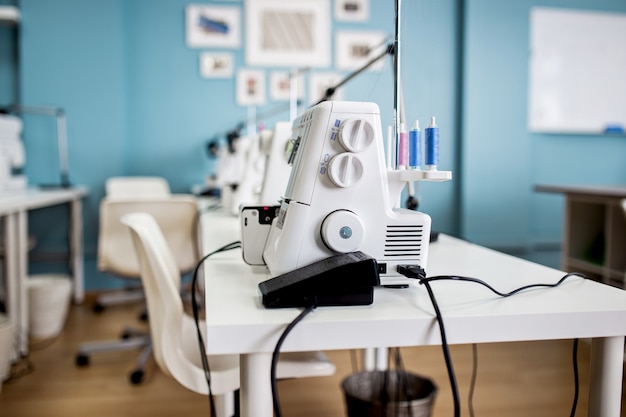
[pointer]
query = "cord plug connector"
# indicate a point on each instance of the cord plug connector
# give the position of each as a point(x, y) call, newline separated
point(411, 271)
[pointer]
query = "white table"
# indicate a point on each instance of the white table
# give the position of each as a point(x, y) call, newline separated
point(237, 323)
point(14, 209)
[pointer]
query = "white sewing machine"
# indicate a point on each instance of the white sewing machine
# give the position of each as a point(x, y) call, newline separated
point(341, 198)
point(277, 168)
point(12, 155)
point(263, 168)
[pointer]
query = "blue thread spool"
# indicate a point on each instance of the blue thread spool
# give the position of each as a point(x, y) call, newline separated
point(431, 145)
point(415, 146)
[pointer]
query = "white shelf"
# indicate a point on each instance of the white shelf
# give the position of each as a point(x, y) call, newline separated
point(419, 175)
point(9, 14)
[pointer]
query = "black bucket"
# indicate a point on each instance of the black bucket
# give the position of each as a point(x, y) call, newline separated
point(388, 394)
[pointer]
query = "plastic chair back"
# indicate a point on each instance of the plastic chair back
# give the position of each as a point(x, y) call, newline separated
point(173, 333)
point(176, 216)
point(133, 187)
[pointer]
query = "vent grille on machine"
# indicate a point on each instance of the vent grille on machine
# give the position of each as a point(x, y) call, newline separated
point(403, 240)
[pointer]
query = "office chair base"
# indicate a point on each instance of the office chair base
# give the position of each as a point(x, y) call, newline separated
point(130, 340)
point(126, 296)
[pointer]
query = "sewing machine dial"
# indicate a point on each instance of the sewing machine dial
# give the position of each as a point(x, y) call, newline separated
point(355, 135)
point(342, 231)
point(345, 169)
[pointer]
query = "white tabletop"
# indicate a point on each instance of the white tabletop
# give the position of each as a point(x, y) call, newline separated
point(238, 323)
point(33, 198)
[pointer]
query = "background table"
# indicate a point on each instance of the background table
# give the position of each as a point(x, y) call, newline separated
point(14, 209)
point(594, 231)
point(237, 323)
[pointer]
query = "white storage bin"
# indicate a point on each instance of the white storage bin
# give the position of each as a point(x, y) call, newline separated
point(48, 304)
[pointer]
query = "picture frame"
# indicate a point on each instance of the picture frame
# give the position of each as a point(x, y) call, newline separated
point(280, 85)
point(353, 49)
point(213, 26)
point(288, 33)
point(216, 65)
point(250, 87)
point(352, 10)
point(319, 82)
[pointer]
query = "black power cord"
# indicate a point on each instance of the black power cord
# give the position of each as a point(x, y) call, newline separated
point(277, 410)
point(196, 317)
point(416, 272)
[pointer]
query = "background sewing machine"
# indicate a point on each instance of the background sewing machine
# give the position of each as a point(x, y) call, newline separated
point(12, 155)
point(257, 171)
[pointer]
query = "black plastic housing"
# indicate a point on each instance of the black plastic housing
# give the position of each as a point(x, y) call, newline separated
point(342, 280)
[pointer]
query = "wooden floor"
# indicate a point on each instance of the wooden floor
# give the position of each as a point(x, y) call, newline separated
point(531, 379)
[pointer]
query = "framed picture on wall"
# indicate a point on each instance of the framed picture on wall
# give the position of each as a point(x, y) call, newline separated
point(216, 65)
point(355, 49)
point(250, 87)
point(213, 26)
point(320, 82)
point(280, 85)
point(352, 10)
point(288, 33)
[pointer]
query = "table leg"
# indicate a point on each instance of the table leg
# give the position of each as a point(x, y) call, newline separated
point(12, 278)
point(22, 277)
point(255, 388)
point(605, 385)
point(375, 359)
point(76, 250)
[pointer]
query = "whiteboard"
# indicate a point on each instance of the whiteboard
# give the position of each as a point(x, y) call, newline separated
point(577, 71)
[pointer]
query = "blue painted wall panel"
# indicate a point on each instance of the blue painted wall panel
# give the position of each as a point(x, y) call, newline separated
point(501, 160)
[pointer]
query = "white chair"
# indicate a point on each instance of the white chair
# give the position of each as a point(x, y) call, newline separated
point(174, 334)
point(132, 188)
point(176, 215)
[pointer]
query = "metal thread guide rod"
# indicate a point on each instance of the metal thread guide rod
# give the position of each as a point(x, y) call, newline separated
point(396, 67)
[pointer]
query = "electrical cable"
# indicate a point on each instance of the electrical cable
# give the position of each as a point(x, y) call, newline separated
point(501, 294)
point(402, 375)
point(283, 336)
point(446, 349)
point(470, 396)
point(416, 272)
point(195, 309)
point(576, 378)
point(353, 361)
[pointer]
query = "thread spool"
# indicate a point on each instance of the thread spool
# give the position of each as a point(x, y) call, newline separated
point(415, 146)
point(431, 145)
point(403, 148)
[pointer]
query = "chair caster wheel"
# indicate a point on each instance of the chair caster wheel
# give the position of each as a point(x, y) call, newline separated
point(98, 308)
point(125, 335)
point(143, 316)
point(82, 360)
point(136, 377)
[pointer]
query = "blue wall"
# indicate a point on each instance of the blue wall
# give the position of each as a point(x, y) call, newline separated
point(501, 161)
point(136, 105)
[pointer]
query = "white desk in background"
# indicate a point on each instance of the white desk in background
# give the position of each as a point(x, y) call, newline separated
point(237, 322)
point(14, 209)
